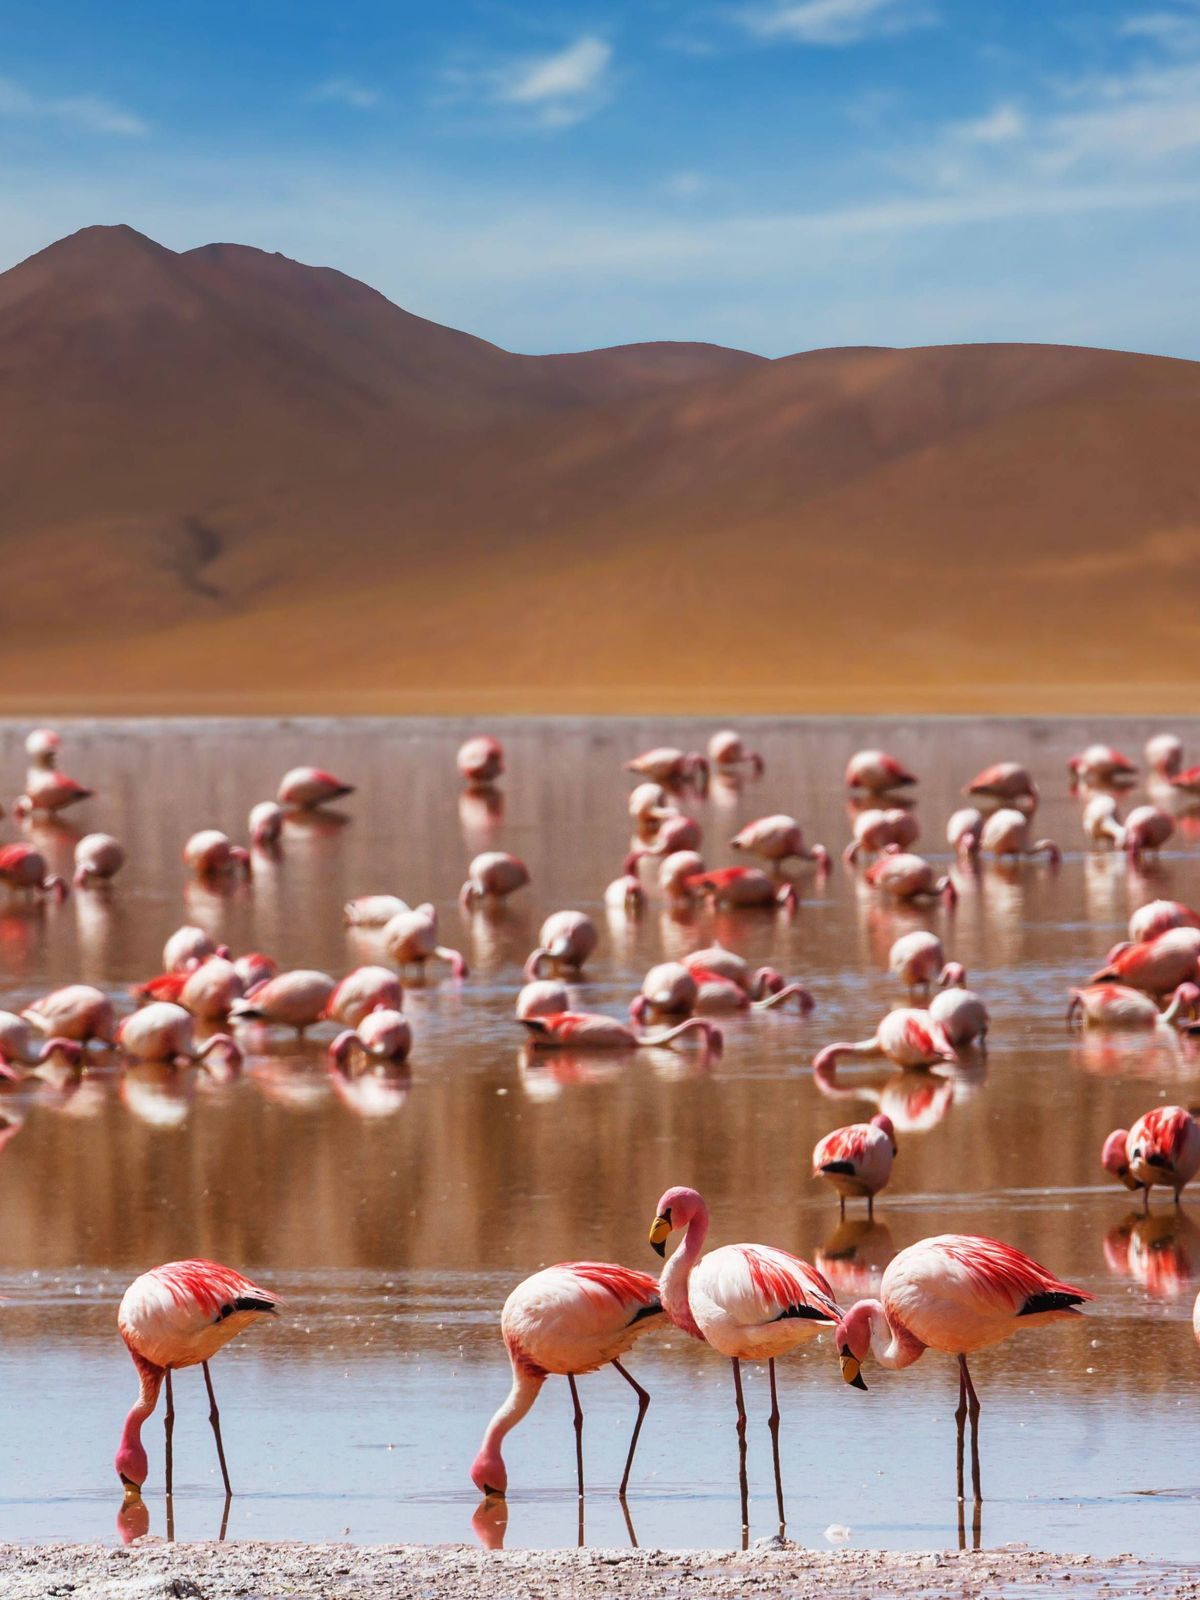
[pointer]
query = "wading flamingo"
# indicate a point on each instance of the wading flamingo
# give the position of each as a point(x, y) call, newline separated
point(306, 788)
point(955, 1293)
point(480, 761)
point(23, 867)
point(1164, 754)
point(567, 1321)
point(18, 1043)
point(910, 877)
point(757, 982)
point(857, 1160)
point(1147, 828)
point(1006, 833)
point(677, 834)
point(179, 1315)
point(650, 803)
point(361, 991)
point(494, 875)
point(294, 999)
point(566, 940)
point(265, 823)
point(778, 839)
point(917, 960)
point(964, 832)
point(186, 948)
point(411, 939)
point(49, 791)
point(877, 772)
point(1116, 1008)
point(165, 1032)
point(210, 990)
point(961, 1013)
point(727, 750)
point(740, 886)
point(750, 1302)
point(211, 853)
point(625, 894)
point(1100, 763)
point(77, 1011)
point(382, 1035)
point(589, 1030)
point(1159, 965)
point(98, 857)
point(1187, 782)
point(906, 1036)
point(675, 989)
point(254, 968)
point(876, 830)
point(1162, 1148)
point(1102, 821)
point(374, 910)
point(1005, 780)
point(667, 765)
point(543, 997)
point(1148, 921)
point(42, 747)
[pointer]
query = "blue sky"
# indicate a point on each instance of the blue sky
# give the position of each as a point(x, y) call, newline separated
point(775, 174)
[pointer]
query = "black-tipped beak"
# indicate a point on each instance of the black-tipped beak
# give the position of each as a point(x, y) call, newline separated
point(659, 1246)
point(852, 1370)
point(660, 1232)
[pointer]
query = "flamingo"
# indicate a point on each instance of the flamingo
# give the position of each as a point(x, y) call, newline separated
point(588, 1030)
point(777, 839)
point(1148, 921)
point(23, 867)
point(1163, 1147)
point(210, 990)
point(98, 858)
point(480, 761)
point(1147, 828)
point(382, 1035)
point(1004, 780)
point(727, 750)
point(877, 771)
point(567, 1320)
point(917, 959)
point(179, 1315)
point(740, 886)
point(955, 1293)
point(306, 788)
point(1187, 782)
point(677, 833)
point(566, 940)
point(42, 747)
point(674, 872)
point(265, 824)
point(668, 989)
point(964, 831)
point(211, 853)
point(909, 1037)
point(295, 999)
point(673, 989)
point(186, 947)
point(750, 1302)
point(665, 764)
point(715, 958)
point(494, 875)
point(77, 1012)
point(1164, 755)
point(1102, 821)
point(1115, 1008)
point(49, 791)
point(374, 910)
point(411, 939)
point(1159, 965)
point(543, 997)
point(875, 830)
point(962, 1014)
point(1006, 833)
point(910, 877)
point(254, 967)
point(19, 1043)
point(650, 803)
point(164, 1032)
point(625, 894)
point(857, 1160)
point(361, 991)
point(1102, 764)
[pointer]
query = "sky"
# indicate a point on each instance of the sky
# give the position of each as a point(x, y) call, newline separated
point(773, 174)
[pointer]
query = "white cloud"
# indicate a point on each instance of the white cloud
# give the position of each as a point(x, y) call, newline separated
point(568, 75)
point(1173, 30)
point(834, 22)
point(1001, 125)
point(84, 111)
point(347, 92)
point(686, 185)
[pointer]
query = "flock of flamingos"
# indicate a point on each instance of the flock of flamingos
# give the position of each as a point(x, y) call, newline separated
point(954, 1294)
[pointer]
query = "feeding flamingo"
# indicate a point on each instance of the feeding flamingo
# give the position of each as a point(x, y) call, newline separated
point(480, 760)
point(955, 1293)
point(674, 872)
point(876, 830)
point(567, 1320)
point(857, 1160)
point(265, 824)
point(494, 875)
point(179, 1315)
point(77, 1011)
point(750, 1302)
point(374, 910)
point(295, 999)
point(186, 947)
point(165, 1032)
point(677, 833)
point(910, 877)
point(1159, 965)
point(625, 894)
point(1004, 780)
point(361, 991)
point(1147, 828)
point(917, 959)
point(98, 858)
point(306, 788)
point(210, 990)
point(587, 1030)
point(649, 803)
point(757, 983)
point(727, 750)
point(383, 1034)
point(566, 940)
point(1164, 754)
point(211, 853)
point(675, 989)
point(739, 887)
point(19, 1043)
point(964, 831)
point(42, 747)
point(909, 1037)
point(960, 1012)
point(667, 765)
point(1148, 921)
point(411, 939)
point(876, 771)
point(778, 839)
point(543, 997)
point(1102, 821)
point(1006, 833)
point(1102, 764)
point(1162, 1148)
point(49, 791)
point(23, 867)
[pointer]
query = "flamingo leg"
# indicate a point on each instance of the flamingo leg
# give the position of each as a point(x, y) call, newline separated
point(842, 1207)
point(773, 1424)
point(169, 1430)
point(643, 1407)
point(870, 1208)
point(214, 1416)
point(973, 1412)
point(578, 1437)
point(741, 1433)
point(960, 1417)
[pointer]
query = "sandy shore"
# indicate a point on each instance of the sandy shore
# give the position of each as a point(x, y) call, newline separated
point(253, 1570)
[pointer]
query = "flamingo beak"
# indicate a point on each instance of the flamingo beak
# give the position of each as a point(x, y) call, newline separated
point(660, 1232)
point(133, 1491)
point(852, 1370)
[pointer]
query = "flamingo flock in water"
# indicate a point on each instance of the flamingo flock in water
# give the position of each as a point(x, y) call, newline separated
point(954, 1293)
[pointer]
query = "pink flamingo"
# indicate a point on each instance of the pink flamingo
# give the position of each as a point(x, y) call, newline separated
point(917, 960)
point(165, 1032)
point(1101, 763)
point(254, 968)
point(1159, 966)
point(664, 764)
point(382, 1035)
point(480, 760)
point(1147, 828)
point(210, 990)
point(649, 803)
point(566, 940)
point(587, 1030)
point(673, 989)
point(296, 999)
point(1148, 921)
point(494, 875)
point(567, 1320)
point(1006, 833)
point(411, 939)
point(910, 877)
point(906, 1036)
point(179, 1315)
point(1164, 755)
point(543, 997)
point(306, 788)
point(265, 824)
point(727, 750)
point(677, 833)
point(675, 871)
point(42, 747)
point(49, 791)
point(962, 1015)
point(750, 1302)
point(374, 910)
point(1163, 1147)
point(98, 858)
point(18, 1044)
point(954, 1293)
point(1116, 1008)
point(1004, 780)
point(210, 853)
point(857, 1160)
point(875, 830)
point(877, 771)
point(625, 894)
point(778, 839)
point(186, 947)
point(1102, 821)
point(361, 991)
point(1187, 782)
point(23, 867)
point(77, 1011)
point(726, 963)
point(964, 832)
point(739, 887)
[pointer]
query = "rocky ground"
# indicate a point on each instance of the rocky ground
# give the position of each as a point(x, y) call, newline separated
point(260, 1571)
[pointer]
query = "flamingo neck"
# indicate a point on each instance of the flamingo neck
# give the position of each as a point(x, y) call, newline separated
point(891, 1343)
point(489, 1472)
point(674, 1283)
point(131, 1461)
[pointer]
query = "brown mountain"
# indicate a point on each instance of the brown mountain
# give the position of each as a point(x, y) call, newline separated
point(229, 481)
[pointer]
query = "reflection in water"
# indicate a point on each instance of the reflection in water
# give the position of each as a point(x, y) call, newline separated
point(1160, 1251)
point(915, 1098)
point(854, 1256)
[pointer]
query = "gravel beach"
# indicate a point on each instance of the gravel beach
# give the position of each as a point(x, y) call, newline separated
point(458, 1572)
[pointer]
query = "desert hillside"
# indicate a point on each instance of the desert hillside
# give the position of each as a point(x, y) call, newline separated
point(231, 482)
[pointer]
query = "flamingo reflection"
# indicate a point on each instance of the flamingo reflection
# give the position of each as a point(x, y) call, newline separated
point(1159, 1251)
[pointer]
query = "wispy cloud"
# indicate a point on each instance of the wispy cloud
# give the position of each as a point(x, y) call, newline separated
point(833, 22)
point(87, 112)
point(347, 92)
point(561, 88)
point(1174, 30)
point(1002, 125)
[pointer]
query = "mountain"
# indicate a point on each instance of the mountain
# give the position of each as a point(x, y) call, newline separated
point(232, 482)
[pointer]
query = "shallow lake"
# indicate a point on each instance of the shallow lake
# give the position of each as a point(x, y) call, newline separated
point(394, 1223)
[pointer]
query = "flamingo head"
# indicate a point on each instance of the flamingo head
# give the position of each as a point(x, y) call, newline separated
point(767, 980)
point(132, 1466)
point(488, 1472)
point(954, 976)
point(638, 1007)
point(1114, 1157)
point(69, 1051)
point(853, 1340)
point(341, 1047)
point(675, 1210)
point(1187, 997)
